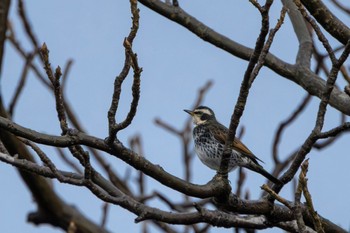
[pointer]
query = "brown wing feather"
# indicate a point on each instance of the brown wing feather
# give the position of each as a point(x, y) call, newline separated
point(240, 147)
point(220, 133)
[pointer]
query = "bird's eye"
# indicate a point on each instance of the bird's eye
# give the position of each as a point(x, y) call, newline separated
point(204, 117)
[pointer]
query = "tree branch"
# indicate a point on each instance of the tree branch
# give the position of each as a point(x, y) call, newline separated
point(130, 61)
point(52, 207)
point(118, 150)
point(328, 20)
point(300, 28)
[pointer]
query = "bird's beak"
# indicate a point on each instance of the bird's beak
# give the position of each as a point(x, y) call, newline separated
point(189, 112)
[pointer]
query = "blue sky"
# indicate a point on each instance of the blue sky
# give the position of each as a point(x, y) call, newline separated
point(175, 65)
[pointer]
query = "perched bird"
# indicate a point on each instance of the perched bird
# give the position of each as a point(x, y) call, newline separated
point(209, 140)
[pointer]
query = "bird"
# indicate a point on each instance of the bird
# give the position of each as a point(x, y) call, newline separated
point(209, 140)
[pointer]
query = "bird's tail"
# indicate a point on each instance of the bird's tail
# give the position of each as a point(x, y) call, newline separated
point(259, 169)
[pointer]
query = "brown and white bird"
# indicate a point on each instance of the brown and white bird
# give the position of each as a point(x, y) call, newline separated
point(209, 141)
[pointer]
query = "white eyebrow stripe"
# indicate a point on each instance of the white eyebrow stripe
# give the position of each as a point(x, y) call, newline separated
point(205, 111)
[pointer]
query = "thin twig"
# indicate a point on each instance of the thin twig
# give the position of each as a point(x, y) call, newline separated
point(135, 92)
point(55, 81)
point(68, 161)
point(21, 83)
point(136, 145)
point(276, 196)
point(66, 177)
point(255, 64)
point(185, 133)
point(105, 212)
point(318, 31)
point(20, 50)
point(333, 134)
point(240, 181)
point(284, 124)
point(342, 7)
point(44, 159)
point(66, 71)
point(244, 91)
point(297, 206)
point(316, 132)
point(130, 61)
point(303, 180)
point(26, 24)
point(267, 46)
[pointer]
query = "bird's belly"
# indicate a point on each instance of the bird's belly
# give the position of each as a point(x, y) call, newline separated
point(210, 155)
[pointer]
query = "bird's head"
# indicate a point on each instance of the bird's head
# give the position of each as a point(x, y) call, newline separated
point(201, 115)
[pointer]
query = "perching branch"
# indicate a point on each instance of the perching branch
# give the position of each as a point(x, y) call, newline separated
point(245, 86)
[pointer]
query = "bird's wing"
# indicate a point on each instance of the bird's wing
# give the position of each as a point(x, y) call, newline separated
point(240, 147)
point(220, 133)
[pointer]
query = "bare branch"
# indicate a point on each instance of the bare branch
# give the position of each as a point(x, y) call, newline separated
point(135, 92)
point(66, 71)
point(284, 124)
point(48, 162)
point(314, 135)
point(55, 81)
point(267, 46)
point(318, 31)
point(240, 181)
point(68, 161)
point(21, 84)
point(297, 208)
point(302, 33)
point(340, 6)
point(335, 131)
point(276, 196)
point(26, 24)
point(130, 61)
point(185, 133)
point(232, 210)
point(254, 65)
point(117, 149)
point(66, 177)
point(333, 134)
point(303, 181)
point(328, 20)
point(145, 212)
point(20, 50)
point(105, 213)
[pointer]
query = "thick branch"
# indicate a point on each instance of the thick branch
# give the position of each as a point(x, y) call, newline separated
point(56, 211)
point(103, 189)
point(302, 33)
point(118, 150)
point(328, 20)
point(247, 207)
